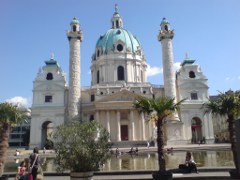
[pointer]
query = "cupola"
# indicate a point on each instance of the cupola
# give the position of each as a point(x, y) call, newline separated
point(117, 21)
point(75, 25)
point(165, 25)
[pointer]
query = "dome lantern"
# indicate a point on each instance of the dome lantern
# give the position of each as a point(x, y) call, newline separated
point(117, 21)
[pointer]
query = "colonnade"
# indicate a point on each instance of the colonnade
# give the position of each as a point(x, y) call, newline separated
point(138, 129)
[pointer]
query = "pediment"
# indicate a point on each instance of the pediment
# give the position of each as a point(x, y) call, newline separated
point(120, 96)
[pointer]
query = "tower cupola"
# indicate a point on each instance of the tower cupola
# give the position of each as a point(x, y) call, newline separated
point(165, 31)
point(165, 25)
point(75, 25)
point(117, 21)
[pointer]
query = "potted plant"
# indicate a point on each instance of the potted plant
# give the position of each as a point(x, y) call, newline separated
point(81, 147)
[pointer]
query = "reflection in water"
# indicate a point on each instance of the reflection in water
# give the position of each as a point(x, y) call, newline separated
point(146, 161)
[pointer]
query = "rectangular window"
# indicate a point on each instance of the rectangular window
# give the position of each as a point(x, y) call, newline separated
point(194, 96)
point(92, 97)
point(48, 99)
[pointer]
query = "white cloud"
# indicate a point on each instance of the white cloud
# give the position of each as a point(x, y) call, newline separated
point(18, 100)
point(229, 78)
point(176, 66)
point(152, 71)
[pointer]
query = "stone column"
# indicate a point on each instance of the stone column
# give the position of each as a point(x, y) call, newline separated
point(75, 37)
point(132, 126)
point(97, 116)
point(143, 127)
point(118, 127)
point(108, 123)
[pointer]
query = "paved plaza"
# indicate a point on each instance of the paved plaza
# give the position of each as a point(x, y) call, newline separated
point(204, 173)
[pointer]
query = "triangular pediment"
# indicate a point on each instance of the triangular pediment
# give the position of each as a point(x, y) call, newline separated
point(123, 95)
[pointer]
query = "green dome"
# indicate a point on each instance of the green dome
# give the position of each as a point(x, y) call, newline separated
point(164, 21)
point(74, 21)
point(113, 37)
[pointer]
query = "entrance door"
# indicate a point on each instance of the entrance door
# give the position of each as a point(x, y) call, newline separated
point(124, 132)
point(196, 130)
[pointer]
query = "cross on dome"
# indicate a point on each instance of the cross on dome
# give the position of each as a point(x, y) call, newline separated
point(116, 8)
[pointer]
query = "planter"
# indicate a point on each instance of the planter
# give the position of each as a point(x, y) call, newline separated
point(4, 177)
point(234, 174)
point(162, 175)
point(81, 175)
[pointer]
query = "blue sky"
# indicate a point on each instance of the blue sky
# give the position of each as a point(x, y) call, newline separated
point(208, 30)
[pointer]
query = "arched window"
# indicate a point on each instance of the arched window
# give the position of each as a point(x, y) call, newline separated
point(98, 53)
point(49, 76)
point(117, 24)
point(74, 28)
point(166, 27)
point(192, 74)
point(120, 73)
point(98, 77)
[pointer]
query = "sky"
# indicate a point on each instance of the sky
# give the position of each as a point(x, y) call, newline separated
point(207, 30)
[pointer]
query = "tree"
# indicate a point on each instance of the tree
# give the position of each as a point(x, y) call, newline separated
point(10, 115)
point(81, 146)
point(228, 105)
point(158, 110)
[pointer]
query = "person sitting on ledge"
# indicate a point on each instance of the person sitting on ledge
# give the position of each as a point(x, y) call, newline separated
point(190, 163)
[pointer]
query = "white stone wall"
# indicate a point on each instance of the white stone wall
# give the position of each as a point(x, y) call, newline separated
point(134, 69)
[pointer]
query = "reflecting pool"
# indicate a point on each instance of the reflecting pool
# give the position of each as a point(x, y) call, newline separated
point(145, 161)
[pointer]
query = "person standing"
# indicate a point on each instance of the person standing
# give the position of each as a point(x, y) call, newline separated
point(34, 162)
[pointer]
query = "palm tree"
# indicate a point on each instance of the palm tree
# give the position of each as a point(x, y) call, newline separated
point(10, 115)
point(227, 105)
point(158, 110)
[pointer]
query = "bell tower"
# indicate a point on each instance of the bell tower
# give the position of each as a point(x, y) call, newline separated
point(75, 37)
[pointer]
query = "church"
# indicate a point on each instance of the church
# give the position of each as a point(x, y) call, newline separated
point(118, 76)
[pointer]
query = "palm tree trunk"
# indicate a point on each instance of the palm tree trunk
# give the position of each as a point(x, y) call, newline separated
point(232, 136)
point(160, 143)
point(4, 146)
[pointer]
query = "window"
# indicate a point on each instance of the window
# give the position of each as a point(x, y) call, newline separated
point(119, 47)
point(74, 28)
point(49, 76)
point(91, 117)
point(166, 27)
point(192, 74)
point(97, 77)
point(120, 73)
point(117, 24)
point(48, 99)
point(92, 97)
point(98, 53)
point(194, 96)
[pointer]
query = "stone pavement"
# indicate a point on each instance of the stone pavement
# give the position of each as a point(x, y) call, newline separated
point(194, 176)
